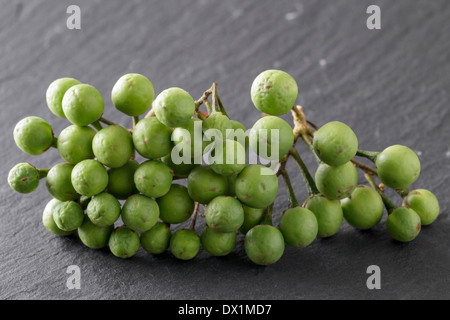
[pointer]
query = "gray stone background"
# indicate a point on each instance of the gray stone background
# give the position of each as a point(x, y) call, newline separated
point(390, 85)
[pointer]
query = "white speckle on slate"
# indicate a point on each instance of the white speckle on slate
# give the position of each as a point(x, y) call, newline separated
point(277, 64)
point(236, 13)
point(447, 154)
point(419, 153)
point(322, 62)
point(294, 14)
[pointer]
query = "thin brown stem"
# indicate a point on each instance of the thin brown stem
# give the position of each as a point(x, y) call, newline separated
point(365, 168)
point(194, 217)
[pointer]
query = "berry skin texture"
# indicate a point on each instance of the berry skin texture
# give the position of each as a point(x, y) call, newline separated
point(133, 94)
point(68, 215)
point(218, 243)
point(264, 135)
point(238, 135)
point(229, 159)
point(403, 224)
point(184, 244)
point(336, 183)
point(252, 217)
point(182, 169)
point(264, 244)
point(59, 182)
point(224, 214)
point(156, 240)
point(75, 143)
point(113, 146)
point(335, 143)
point(124, 242)
point(299, 227)
point(364, 208)
point(174, 107)
point(55, 94)
point(82, 104)
point(33, 135)
point(153, 178)
point(274, 92)
point(398, 166)
point(103, 210)
point(89, 177)
point(94, 236)
point(23, 178)
point(152, 139)
point(204, 184)
point(175, 206)
point(216, 126)
point(49, 222)
point(328, 214)
point(424, 203)
point(256, 186)
point(140, 213)
point(121, 180)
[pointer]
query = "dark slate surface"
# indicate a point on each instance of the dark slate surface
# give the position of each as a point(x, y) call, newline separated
point(390, 85)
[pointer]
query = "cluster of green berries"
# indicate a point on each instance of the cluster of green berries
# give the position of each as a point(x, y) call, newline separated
point(101, 182)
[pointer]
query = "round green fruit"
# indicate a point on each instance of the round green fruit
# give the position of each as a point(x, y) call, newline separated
point(174, 107)
point(264, 244)
point(124, 242)
point(184, 244)
point(121, 180)
point(336, 183)
point(424, 203)
point(103, 210)
point(59, 182)
point(156, 240)
point(218, 243)
point(94, 236)
point(113, 146)
point(252, 217)
point(216, 127)
point(49, 222)
point(224, 214)
point(403, 224)
point(239, 133)
point(75, 143)
point(298, 226)
point(175, 206)
point(152, 139)
point(55, 94)
point(140, 213)
point(227, 158)
point(68, 215)
point(182, 169)
point(82, 104)
point(23, 178)
point(328, 213)
point(33, 135)
point(204, 184)
point(89, 177)
point(153, 178)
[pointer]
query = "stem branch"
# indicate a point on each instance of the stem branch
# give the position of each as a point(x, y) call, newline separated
point(387, 203)
point(310, 184)
point(290, 189)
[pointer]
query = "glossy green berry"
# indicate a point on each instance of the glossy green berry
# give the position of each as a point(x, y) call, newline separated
point(75, 143)
point(156, 240)
point(140, 213)
point(335, 143)
point(82, 104)
point(299, 227)
point(398, 166)
point(68, 215)
point(113, 146)
point(271, 137)
point(133, 94)
point(89, 177)
point(182, 169)
point(274, 92)
point(256, 186)
point(94, 236)
point(174, 107)
point(175, 206)
point(424, 203)
point(152, 139)
point(103, 209)
point(59, 182)
point(239, 133)
point(49, 222)
point(336, 183)
point(124, 242)
point(23, 178)
point(153, 178)
point(204, 184)
point(328, 213)
point(364, 208)
point(216, 126)
point(217, 243)
point(227, 158)
point(252, 217)
point(121, 180)
point(33, 135)
point(184, 244)
point(224, 214)
point(55, 94)
point(403, 224)
point(264, 244)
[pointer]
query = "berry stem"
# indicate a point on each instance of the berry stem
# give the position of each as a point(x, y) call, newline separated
point(307, 140)
point(135, 121)
point(292, 199)
point(302, 130)
point(387, 203)
point(267, 219)
point(97, 125)
point(112, 123)
point(204, 97)
point(371, 155)
point(208, 107)
point(150, 113)
point(84, 202)
point(194, 217)
point(214, 105)
point(365, 168)
point(43, 173)
point(310, 184)
point(55, 142)
point(222, 108)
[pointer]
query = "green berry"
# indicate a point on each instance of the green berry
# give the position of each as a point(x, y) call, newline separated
point(298, 226)
point(153, 178)
point(113, 146)
point(124, 242)
point(227, 158)
point(89, 177)
point(335, 143)
point(156, 240)
point(252, 217)
point(140, 213)
point(424, 203)
point(94, 236)
point(216, 126)
point(33, 135)
point(182, 169)
point(271, 137)
point(175, 206)
point(59, 182)
point(121, 180)
point(336, 183)
point(204, 184)
point(328, 213)
point(132, 94)
point(184, 244)
point(398, 166)
point(218, 243)
point(82, 104)
point(264, 244)
point(55, 94)
point(75, 143)
point(68, 215)
point(403, 224)
point(103, 209)
point(152, 139)
point(23, 178)
point(239, 133)
point(174, 107)
point(224, 214)
point(49, 222)
point(256, 186)
point(364, 208)
point(274, 92)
